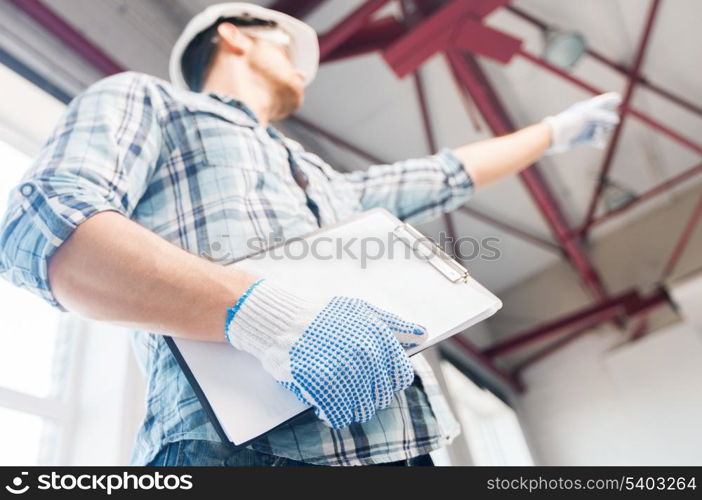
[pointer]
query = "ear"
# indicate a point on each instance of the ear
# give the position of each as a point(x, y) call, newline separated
point(233, 38)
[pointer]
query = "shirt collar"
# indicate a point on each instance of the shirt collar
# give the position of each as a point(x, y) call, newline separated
point(231, 101)
point(240, 105)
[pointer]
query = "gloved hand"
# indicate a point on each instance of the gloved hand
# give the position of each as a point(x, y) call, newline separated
point(345, 358)
point(585, 122)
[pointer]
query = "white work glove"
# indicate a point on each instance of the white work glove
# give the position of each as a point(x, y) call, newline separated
point(344, 357)
point(585, 122)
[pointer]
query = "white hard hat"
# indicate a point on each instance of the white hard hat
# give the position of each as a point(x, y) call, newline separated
point(304, 48)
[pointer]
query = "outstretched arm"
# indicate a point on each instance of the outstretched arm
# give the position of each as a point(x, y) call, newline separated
point(587, 122)
point(492, 159)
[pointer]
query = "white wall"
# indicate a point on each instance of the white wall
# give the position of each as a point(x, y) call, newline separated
point(596, 403)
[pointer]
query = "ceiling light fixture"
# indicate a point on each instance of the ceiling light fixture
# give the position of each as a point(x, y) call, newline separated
point(563, 48)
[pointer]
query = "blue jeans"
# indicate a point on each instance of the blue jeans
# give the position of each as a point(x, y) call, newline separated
point(191, 452)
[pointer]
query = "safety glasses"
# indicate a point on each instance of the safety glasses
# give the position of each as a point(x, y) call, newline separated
point(260, 29)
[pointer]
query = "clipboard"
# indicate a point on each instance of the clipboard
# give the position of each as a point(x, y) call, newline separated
point(373, 256)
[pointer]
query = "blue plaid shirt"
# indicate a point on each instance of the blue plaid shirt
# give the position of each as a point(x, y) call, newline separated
point(199, 170)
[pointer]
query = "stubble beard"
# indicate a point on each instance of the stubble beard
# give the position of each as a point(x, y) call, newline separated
point(288, 99)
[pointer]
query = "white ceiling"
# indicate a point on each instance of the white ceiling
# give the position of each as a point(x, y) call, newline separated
point(362, 101)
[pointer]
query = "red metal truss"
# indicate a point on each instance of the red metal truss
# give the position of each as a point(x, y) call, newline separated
point(473, 36)
point(346, 28)
point(376, 35)
point(626, 102)
point(630, 304)
point(425, 39)
point(377, 42)
point(470, 74)
point(469, 34)
point(456, 25)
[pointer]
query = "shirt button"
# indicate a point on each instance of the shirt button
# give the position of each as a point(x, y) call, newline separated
point(27, 189)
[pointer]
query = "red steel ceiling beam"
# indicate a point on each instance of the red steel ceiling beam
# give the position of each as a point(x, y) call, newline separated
point(379, 43)
point(647, 195)
point(630, 304)
point(471, 75)
point(424, 40)
point(641, 80)
point(626, 102)
point(345, 29)
point(375, 36)
point(69, 36)
point(463, 30)
point(297, 8)
point(643, 117)
point(456, 25)
point(473, 36)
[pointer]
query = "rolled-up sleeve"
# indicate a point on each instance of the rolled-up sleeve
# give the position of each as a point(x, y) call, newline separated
point(414, 190)
point(98, 158)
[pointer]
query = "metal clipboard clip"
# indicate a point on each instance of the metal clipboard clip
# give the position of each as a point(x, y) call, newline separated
point(431, 252)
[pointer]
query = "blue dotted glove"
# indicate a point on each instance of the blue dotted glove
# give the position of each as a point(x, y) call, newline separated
point(345, 358)
point(585, 122)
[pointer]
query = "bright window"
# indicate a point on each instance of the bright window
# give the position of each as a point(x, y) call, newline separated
point(490, 427)
point(32, 355)
point(22, 435)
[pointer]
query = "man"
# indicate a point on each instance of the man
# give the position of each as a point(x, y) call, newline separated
point(143, 185)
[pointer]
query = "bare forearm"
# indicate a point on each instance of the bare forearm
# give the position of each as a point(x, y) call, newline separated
point(490, 160)
point(115, 270)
